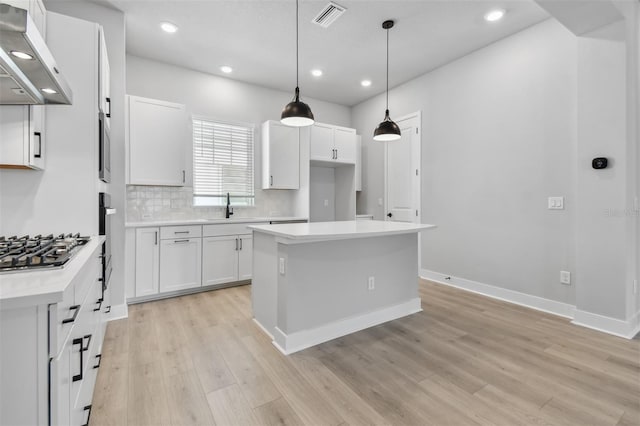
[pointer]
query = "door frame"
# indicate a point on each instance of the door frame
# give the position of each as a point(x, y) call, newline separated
point(417, 193)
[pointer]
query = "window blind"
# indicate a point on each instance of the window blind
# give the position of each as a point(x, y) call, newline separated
point(222, 163)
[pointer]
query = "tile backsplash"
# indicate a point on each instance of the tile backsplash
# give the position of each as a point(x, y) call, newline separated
point(148, 203)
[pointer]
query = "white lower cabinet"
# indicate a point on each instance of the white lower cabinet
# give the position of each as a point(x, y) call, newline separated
point(180, 261)
point(147, 261)
point(226, 259)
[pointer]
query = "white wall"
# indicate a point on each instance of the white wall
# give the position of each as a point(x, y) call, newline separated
point(228, 100)
point(498, 138)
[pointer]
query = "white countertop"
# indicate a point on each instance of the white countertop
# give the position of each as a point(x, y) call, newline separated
point(217, 221)
point(339, 230)
point(20, 289)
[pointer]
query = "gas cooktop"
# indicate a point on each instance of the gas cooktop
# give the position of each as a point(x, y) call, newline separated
point(38, 252)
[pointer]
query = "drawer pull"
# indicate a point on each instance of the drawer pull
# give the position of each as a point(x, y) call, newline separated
point(99, 303)
point(99, 357)
point(107, 309)
point(88, 337)
point(78, 341)
point(181, 241)
point(75, 309)
point(181, 232)
point(87, 408)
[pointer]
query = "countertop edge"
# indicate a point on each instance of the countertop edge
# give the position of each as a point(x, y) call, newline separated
point(51, 293)
point(286, 237)
point(233, 221)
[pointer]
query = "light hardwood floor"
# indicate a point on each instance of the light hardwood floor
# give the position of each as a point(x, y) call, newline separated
point(466, 359)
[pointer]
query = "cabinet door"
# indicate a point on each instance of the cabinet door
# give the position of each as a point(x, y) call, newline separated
point(321, 144)
point(36, 137)
point(180, 264)
point(60, 386)
point(245, 257)
point(158, 139)
point(281, 157)
point(104, 78)
point(147, 261)
point(220, 259)
point(345, 145)
point(14, 134)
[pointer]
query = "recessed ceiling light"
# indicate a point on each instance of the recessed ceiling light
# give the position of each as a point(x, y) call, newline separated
point(226, 69)
point(316, 73)
point(48, 90)
point(21, 55)
point(365, 83)
point(494, 15)
point(169, 27)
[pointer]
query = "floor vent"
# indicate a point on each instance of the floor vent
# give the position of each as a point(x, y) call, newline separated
point(328, 15)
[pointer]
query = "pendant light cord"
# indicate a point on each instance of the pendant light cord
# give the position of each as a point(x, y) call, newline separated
point(387, 68)
point(297, 43)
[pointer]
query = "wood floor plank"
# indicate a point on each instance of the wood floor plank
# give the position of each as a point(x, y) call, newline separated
point(466, 359)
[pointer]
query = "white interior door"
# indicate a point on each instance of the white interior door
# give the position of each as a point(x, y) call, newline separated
point(402, 162)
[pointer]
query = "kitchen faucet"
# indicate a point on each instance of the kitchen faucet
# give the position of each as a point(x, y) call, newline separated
point(229, 211)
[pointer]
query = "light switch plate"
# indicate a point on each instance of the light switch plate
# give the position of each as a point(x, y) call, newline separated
point(556, 203)
point(565, 277)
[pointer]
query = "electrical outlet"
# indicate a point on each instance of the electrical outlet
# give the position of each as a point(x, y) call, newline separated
point(555, 203)
point(326, 203)
point(371, 283)
point(565, 277)
point(281, 266)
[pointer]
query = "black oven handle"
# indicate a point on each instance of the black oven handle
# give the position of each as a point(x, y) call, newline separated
point(109, 103)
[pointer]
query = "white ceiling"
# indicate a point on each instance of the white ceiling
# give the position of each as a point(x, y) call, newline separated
point(257, 38)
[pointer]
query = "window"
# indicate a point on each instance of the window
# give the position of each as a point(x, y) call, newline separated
point(222, 163)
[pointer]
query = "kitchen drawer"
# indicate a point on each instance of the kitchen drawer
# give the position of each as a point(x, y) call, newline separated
point(64, 315)
point(228, 229)
point(184, 231)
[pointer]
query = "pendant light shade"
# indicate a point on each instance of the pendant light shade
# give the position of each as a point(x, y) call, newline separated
point(387, 130)
point(297, 113)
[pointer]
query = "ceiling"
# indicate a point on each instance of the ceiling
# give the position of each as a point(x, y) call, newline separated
point(257, 38)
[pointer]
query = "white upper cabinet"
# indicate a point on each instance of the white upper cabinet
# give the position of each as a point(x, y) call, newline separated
point(332, 144)
point(280, 156)
point(104, 86)
point(158, 137)
point(22, 135)
point(359, 163)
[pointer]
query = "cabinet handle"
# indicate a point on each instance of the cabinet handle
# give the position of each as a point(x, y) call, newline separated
point(109, 104)
point(156, 239)
point(107, 310)
point(99, 358)
point(270, 180)
point(184, 177)
point(38, 150)
point(336, 153)
point(76, 309)
point(87, 408)
point(240, 243)
point(99, 303)
point(236, 244)
point(181, 232)
point(80, 341)
point(180, 241)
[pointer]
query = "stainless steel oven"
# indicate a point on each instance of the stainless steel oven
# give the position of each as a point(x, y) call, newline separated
point(105, 213)
point(104, 150)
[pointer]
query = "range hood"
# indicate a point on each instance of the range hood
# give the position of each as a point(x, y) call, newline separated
point(28, 72)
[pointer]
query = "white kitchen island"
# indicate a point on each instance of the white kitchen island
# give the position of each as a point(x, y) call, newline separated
point(313, 282)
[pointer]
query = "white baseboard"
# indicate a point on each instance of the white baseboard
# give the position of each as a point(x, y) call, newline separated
point(263, 328)
point(299, 340)
point(118, 312)
point(617, 327)
point(546, 305)
point(627, 329)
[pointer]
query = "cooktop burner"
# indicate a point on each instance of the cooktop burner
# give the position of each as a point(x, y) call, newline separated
point(38, 252)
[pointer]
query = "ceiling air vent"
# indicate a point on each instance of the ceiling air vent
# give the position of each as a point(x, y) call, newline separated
point(328, 14)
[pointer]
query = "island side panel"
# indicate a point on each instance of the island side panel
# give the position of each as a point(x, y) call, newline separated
point(326, 282)
point(264, 284)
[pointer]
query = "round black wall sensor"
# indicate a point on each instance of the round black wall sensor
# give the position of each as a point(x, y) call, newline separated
point(599, 163)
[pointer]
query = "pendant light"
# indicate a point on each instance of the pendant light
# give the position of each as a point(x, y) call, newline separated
point(297, 113)
point(387, 130)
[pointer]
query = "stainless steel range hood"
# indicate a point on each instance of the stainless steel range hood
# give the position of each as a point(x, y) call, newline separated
point(33, 79)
